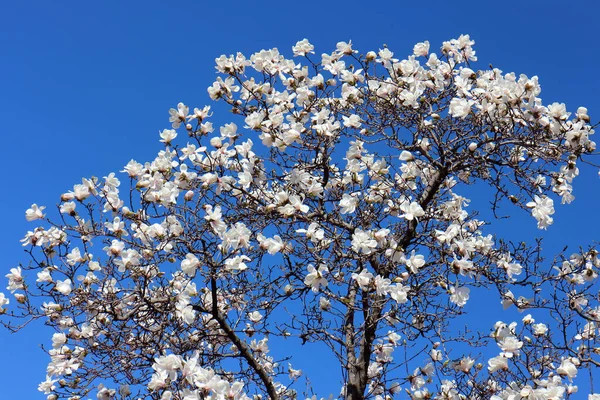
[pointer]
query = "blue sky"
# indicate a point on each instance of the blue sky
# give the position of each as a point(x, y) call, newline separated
point(86, 87)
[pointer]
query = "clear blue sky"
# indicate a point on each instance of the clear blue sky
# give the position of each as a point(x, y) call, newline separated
point(85, 87)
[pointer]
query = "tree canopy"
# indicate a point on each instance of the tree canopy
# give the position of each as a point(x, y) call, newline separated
point(334, 209)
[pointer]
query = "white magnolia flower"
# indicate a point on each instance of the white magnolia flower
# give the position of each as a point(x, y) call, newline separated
point(421, 49)
point(294, 373)
point(406, 156)
point(314, 232)
point(348, 204)
point(303, 47)
point(169, 365)
point(271, 245)
point(363, 242)
point(316, 277)
point(15, 279)
point(411, 210)
point(58, 340)
point(178, 116)
point(190, 264)
point(464, 364)
point(353, 121)
point(497, 363)
point(399, 293)
point(542, 209)
point(3, 301)
point(237, 263)
point(363, 279)
point(460, 108)
point(48, 385)
point(459, 295)
point(539, 329)
point(64, 287)
point(415, 262)
point(34, 212)
point(382, 285)
point(568, 368)
point(255, 316)
point(324, 304)
point(168, 135)
point(510, 346)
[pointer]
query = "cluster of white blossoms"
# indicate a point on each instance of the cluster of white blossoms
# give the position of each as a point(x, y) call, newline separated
point(209, 385)
point(331, 212)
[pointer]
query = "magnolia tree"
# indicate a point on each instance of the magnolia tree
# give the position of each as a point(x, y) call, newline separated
point(329, 211)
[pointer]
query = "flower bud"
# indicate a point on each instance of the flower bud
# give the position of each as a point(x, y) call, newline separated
point(216, 142)
point(67, 196)
point(288, 289)
point(582, 114)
